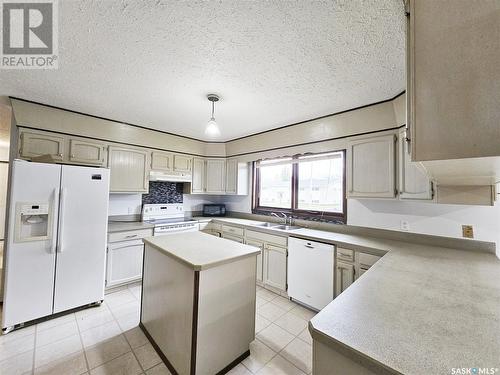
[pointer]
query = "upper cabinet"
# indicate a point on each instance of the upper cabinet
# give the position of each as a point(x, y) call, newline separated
point(128, 170)
point(219, 176)
point(162, 161)
point(182, 163)
point(453, 91)
point(198, 181)
point(36, 144)
point(215, 176)
point(236, 177)
point(371, 167)
point(86, 152)
point(413, 180)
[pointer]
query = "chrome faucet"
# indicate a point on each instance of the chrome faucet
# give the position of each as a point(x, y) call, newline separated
point(283, 215)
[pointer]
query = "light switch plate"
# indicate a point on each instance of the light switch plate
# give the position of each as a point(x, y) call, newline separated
point(467, 231)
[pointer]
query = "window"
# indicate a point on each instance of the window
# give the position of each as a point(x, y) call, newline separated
point(310, 185)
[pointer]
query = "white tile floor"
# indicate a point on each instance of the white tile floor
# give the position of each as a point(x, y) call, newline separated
point(106, 340)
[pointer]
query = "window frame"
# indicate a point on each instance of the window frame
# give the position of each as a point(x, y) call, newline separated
point(294, 211)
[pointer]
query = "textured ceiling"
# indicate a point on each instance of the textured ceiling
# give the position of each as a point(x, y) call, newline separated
point(273, 62)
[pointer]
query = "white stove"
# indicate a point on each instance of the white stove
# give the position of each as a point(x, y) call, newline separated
point(167, 219)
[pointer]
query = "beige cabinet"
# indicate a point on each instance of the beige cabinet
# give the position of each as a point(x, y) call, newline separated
point(372, 167)
point(182, 163)
point(35, 144)
point(128, 170)
point(209, 176)
point(413, 180)
point(162, 161)
point(215, 174)
point(275, 266)
point(350, 265)
point(363, 263)
point(452, 87)
point(344, 276)
point(198, 181)
point(86, 152)
point(260, 245)
point(233, 237)
point(236, 177)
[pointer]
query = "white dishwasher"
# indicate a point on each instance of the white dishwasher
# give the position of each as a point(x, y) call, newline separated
point(310, 272)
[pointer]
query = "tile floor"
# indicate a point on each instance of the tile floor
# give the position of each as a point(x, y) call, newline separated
point(106, 340)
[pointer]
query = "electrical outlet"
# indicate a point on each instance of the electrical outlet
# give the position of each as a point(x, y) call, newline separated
point(467, 231)
point(405, 225)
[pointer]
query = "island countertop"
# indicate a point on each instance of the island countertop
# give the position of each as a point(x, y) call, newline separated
point(200, 250)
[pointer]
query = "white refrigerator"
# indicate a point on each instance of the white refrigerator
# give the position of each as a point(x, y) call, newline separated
point(56, 240)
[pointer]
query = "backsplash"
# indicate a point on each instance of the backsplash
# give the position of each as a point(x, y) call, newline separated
point(163, 192)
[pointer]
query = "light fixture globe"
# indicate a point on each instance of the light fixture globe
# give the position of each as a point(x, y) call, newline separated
point(212, 129)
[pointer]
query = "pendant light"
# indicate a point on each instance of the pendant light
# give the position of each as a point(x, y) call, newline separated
point(212, 129)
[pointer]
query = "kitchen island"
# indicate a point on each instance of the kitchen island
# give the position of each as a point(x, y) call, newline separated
point(198, 301)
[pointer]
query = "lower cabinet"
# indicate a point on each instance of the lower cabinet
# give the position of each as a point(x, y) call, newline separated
point(350, 265)
point(124, 262)
point(124, 256)
point(260, 267)
point(233, 238)
point(344, 276)
point(274, 266)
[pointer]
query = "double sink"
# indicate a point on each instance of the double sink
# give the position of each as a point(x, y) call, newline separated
point(278, 226)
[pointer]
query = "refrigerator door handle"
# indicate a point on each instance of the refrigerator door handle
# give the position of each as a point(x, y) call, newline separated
point(53, 246)
point(61, 220)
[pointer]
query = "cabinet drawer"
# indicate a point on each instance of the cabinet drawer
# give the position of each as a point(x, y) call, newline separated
point(345, 254)
point(233, 238)
point(233, 230)
point(367, 260)
point(130, 235)
point(266, 237)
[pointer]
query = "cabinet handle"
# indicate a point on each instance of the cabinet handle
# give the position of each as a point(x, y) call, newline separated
point(60, 154)
point(72, 156)
point(131, 236)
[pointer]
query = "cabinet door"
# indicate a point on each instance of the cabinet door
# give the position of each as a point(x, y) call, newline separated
point(231, 176)
point(215, 176)
point(344, 276)
point(86, 152)
point(124, 262)
point(453, 93)
point(260, 245)
point(128, 169)
point(413, 180)
point(274, 273)
point(182, 163)
point(371, 163)
point(33, 144)
point(162, 161)
point(198, 182)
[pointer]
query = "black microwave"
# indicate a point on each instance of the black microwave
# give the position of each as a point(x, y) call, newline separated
point(214, 210)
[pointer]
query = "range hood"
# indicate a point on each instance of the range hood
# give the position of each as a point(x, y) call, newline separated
point(169, 176)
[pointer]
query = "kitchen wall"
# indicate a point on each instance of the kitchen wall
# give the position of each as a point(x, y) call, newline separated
point(427, 218)
point(422, 217)
point(159, 192)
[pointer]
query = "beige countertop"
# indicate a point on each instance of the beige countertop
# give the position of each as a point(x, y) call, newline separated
point(123, 226)
point(201, 251)
point(421, 309)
